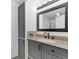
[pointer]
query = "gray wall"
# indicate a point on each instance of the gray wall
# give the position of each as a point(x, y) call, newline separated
point(14, 29)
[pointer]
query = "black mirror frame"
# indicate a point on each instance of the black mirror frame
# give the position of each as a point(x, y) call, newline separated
point(54, 8)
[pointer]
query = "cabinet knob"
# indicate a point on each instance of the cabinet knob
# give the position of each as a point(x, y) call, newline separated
point(52, 50)
point(39, 47)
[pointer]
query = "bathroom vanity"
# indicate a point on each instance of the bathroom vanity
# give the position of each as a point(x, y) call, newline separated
point(41, 48)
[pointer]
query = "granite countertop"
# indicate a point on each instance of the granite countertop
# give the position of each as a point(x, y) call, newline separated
point(61, 43)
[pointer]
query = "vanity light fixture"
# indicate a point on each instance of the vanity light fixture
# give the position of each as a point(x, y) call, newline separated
point(47, 3)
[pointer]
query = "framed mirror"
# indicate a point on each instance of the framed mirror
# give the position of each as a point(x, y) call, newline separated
point(53, 19)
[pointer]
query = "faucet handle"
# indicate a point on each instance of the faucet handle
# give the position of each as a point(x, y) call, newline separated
point(52, 37)
point(48, 35)
point(45, 34)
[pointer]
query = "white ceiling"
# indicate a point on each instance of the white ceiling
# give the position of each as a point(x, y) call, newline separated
point(18, 2)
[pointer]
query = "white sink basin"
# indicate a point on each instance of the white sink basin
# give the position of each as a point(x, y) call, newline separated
point(47, 40)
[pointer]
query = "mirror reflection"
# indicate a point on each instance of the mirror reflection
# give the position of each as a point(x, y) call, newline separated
point(53, 20)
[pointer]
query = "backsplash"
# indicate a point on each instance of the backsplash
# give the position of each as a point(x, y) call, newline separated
point(65, 34)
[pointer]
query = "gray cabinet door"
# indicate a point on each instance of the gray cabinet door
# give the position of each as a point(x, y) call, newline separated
point(48, 55)
point(51, 52)
point(34, 49)
point(51, 56)
point(42, 51)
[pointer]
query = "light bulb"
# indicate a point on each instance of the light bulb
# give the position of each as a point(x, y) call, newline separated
point(57, 14)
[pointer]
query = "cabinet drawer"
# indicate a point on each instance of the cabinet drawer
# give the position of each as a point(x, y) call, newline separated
point(55, 50)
